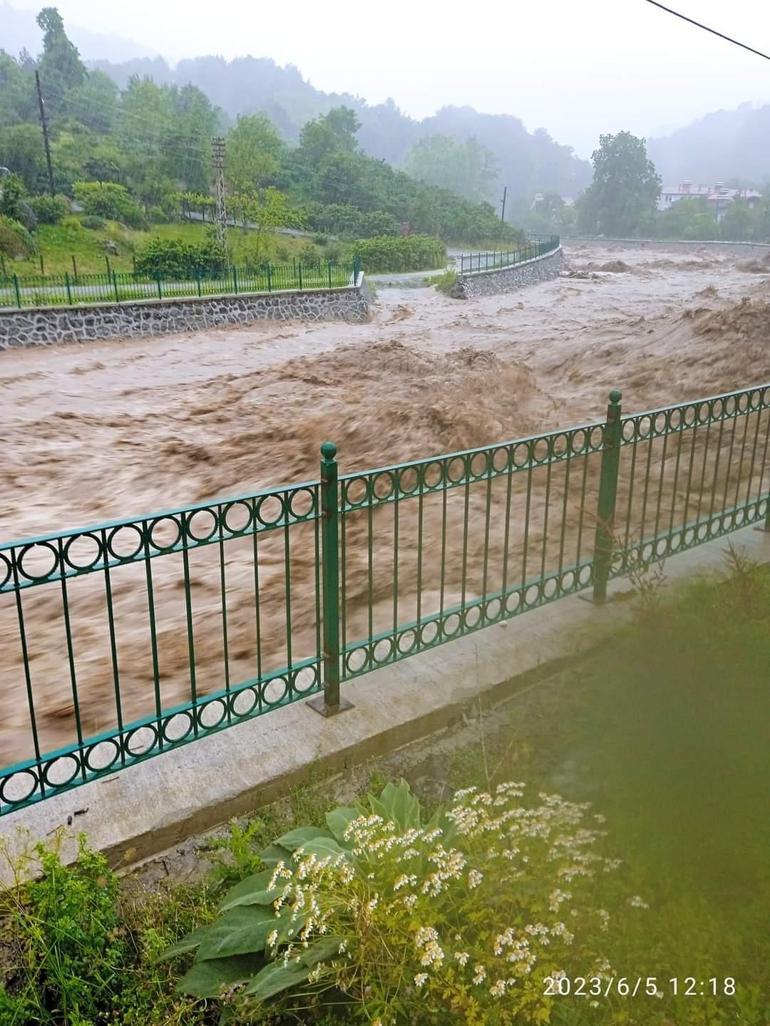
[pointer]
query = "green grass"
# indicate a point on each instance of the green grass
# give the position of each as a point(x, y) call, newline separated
point(58, 243)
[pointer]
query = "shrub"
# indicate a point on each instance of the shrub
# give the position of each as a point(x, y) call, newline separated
point(49, 209)
point(93, 222)
point(446, 282)
point(400, 253)
point(15, 240)
point(459, 918)
point(176, 258)
point(109, 200)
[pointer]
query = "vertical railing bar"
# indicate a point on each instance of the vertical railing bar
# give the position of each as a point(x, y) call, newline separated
point(739, 476)
point(71, 656)
point(223, 591)
point(113, 643)
point(762, 472)
point(153, 630)
point(660, 484)
point(396, 504)
point(184, 528)
point(369, 556)
point(466, 508)
point(716, 467)
point(584, 485)
point(507, 529)
point(343, 522)
point(546, 513)
point(729, 462)
point(677, 464)
point(527, 508)
point(753, 457)
point(703, 471)
point(486, 529)
point(287, 576)
point(690, 468)
point(25, 660)
point(604, 539)
point(565, 503)
point(317, 558)
point(420, 514)
point(257, 604)
point(646, 492)
point(443, 537)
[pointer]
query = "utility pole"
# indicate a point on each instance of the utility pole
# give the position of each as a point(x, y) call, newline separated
point(44, 125)
point(502, 216)
point(220, 216)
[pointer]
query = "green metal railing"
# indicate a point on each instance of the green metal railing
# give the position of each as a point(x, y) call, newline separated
point(130, 638)
point(537, 246)
point(119, 287)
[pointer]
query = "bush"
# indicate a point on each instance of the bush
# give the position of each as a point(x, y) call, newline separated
point(15, 240)
point(49, 209)
point(176, 258)
point(459, 918)
point(93, 222)
point(400, 253)
point(109, 200)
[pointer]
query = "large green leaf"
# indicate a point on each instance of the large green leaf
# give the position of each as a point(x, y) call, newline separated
point(188, 943)
point(338, 820)
point(299, 838)
point(207, 979)
point(238, 932)
point(251, 891)
point(323, 846)
point(276, 977)
point(401, 805)
point(274, 854)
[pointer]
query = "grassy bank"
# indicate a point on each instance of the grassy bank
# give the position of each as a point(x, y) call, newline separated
point(663, 730)
point(91, 247)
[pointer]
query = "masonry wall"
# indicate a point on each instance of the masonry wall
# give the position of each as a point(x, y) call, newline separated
point(41, 326)
point(506, 279)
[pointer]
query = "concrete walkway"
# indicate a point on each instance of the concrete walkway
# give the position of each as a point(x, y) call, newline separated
point(153, 806)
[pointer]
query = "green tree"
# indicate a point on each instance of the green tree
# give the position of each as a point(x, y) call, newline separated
point(466, 168)
point(737, 222)
point(254, 154)
point(335, 132)
point(688, 218)
point(623, 196)
point(60, 65)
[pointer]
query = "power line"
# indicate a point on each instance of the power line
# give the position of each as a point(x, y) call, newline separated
point(706, 28)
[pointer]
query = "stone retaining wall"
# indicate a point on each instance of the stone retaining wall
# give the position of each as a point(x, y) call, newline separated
point(506, 279)
point(43, 326)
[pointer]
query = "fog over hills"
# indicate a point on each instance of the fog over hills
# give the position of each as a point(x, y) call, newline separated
point(724, 145)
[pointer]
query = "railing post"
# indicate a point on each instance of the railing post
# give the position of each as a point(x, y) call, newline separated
point(330, 702)
point(16, 289)
point(269, 278)
point(235, 280)
point(115, 286)
point(608, 490)
point(67, 286)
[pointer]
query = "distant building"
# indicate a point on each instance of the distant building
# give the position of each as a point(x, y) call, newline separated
point(718, 197)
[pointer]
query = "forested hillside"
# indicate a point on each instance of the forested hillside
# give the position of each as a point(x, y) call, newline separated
point(526, 162)
point(140, 154)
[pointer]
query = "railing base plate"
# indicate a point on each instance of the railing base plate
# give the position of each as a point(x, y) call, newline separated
point(318, 704)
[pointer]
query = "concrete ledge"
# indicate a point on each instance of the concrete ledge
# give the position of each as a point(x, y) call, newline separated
point(153, 806)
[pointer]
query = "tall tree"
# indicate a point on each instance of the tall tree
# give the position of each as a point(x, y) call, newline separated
point(254, 152)
point(466, 168)
point(60, 65)
point(623, 196)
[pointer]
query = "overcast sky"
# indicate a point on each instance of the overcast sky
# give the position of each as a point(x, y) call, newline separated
point(575, 68)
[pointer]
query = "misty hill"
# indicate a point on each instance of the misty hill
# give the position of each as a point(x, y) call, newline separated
point(20, 32)
point(527, 162)
point(725, 145)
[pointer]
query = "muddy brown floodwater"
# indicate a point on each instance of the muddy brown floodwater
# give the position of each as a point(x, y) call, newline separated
point(105, 430)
